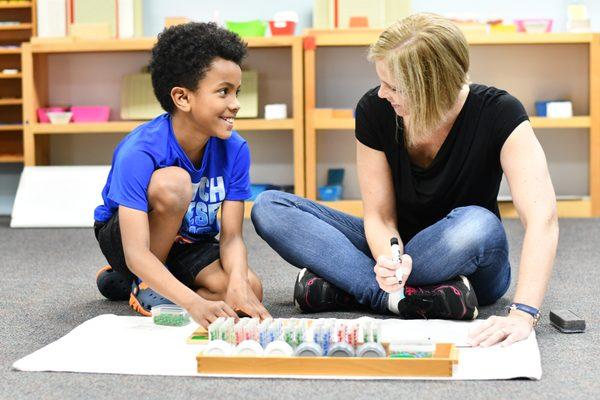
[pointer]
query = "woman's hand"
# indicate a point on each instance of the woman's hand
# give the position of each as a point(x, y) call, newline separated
point(503, 330)
point(385, 272)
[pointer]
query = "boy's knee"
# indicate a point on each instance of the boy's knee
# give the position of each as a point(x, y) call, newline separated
point(256, 285)
point(170, 189)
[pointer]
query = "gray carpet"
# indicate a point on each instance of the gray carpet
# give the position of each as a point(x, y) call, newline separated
point(47, 288)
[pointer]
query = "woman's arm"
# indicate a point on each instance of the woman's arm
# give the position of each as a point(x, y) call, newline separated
point(524, 164)
point(379, 208)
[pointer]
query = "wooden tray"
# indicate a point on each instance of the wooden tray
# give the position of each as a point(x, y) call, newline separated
point(440, 365)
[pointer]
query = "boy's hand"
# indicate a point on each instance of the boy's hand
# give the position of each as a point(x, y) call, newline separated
point(385, 272)
point(205, 311)
point(241, 297)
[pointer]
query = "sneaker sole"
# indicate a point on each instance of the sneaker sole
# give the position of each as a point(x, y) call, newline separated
point(137, 307)
point(297, 288)
point(471, 296)
point(101, 270)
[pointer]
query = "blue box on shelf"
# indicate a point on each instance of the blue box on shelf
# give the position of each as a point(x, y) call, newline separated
point(330, 192)
point(540, 108)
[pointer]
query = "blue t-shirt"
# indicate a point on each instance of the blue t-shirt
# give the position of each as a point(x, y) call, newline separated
point(223, 175)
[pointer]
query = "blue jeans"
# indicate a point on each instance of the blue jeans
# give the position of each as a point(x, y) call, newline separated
point(469, 241)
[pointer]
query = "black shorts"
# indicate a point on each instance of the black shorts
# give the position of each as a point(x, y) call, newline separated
point(185, 260)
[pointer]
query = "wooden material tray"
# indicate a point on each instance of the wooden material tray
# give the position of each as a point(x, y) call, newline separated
point(440, 365)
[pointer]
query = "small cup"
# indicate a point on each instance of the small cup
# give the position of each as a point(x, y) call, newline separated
point(59, 117)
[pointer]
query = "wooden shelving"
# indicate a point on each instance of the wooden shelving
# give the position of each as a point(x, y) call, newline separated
point(576, 208)
point(4, 51)
point(11, 102)
point(16, 27)
point(15, 4)
point(11, 158)
point(365, 37)
point(127, 126)
point(583, 121)
point(536, 122)
point(70, 45)
point(305, 132)
point(35, 85)
point(22, 27)
point(566, 208)
point(11, 127)
point(18, 75)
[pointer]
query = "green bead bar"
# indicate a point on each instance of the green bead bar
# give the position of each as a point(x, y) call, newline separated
point(171, 320)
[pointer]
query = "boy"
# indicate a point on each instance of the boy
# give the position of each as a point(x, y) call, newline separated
point(168, 179)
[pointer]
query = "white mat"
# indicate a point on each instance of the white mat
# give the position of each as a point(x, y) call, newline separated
point(58, 196)
point(108, 343)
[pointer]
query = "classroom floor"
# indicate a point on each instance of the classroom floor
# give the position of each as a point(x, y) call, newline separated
point(47, 288)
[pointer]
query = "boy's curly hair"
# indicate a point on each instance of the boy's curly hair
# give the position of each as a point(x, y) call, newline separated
point(184, 53)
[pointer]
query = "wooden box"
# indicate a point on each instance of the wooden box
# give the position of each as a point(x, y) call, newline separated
point(440, 365)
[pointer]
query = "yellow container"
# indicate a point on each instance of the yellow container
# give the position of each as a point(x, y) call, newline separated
point(503, 28)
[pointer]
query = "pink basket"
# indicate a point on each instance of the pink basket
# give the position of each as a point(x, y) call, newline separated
point(532, 25)
point(43, 116)
point(90, 113)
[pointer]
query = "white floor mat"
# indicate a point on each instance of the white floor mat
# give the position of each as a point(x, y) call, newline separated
point(104, 345)
point(58, 196)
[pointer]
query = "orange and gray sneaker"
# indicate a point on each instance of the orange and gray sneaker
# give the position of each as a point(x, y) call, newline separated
point(112, 284)
point(142, 298)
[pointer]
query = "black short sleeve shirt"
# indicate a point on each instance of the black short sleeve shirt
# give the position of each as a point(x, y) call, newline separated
point(465, 171)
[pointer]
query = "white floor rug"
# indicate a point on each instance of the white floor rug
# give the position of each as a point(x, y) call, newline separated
point(104, 345)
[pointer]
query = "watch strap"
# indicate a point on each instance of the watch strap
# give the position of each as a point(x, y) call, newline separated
point(534, 312)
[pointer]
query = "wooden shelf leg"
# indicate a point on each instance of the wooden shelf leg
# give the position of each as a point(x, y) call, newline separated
point(309, 105)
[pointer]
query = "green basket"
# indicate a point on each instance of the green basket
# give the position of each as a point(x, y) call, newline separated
point(248, 28)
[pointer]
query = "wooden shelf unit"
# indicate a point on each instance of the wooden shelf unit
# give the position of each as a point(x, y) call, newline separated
point(15, 4)
point(11, 113)
point(11, 127)
point(18, 75)
point(583, 121)
point(11, 158)
point(9, 51)
point(11, 102)
point(127, 126)
point(35, 86)
point(573, 208)
point(73, 45)
point(365, 37)
point(588, 207)
point(16, 27)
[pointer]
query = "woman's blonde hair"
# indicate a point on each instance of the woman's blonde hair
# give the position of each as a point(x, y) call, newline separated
point(428, 56)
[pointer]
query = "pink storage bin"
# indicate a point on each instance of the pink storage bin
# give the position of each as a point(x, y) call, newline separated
point(532, 25)
point(43, 116)
point(90, 113)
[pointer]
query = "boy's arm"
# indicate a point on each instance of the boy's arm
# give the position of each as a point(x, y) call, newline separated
point(135, 235)
point(234, 259)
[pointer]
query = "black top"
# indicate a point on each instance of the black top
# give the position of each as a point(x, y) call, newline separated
point(465, 171)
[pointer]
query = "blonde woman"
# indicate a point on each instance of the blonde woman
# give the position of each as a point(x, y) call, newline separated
point(431, 150)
